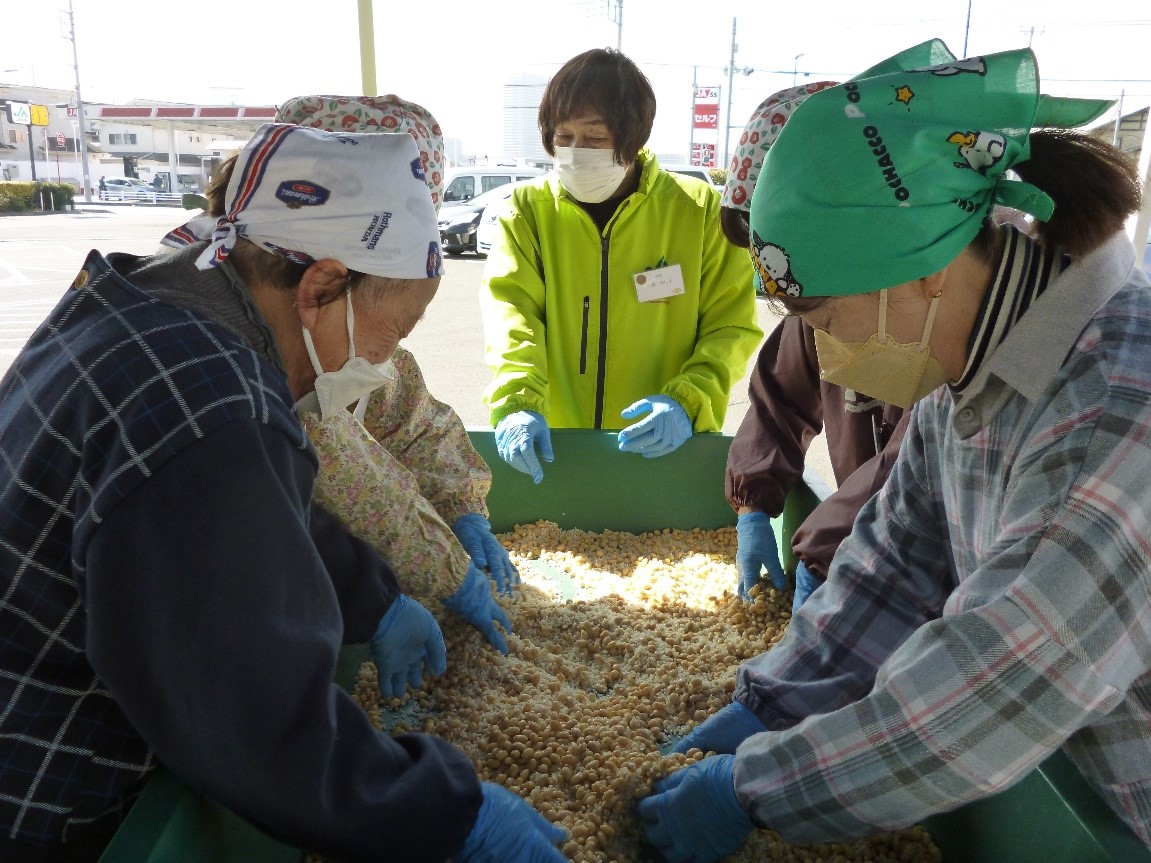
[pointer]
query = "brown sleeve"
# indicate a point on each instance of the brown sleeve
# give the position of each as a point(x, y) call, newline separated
point(816, 540)
point(784, 415)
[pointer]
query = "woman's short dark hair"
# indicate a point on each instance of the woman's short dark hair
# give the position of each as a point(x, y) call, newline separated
point(604, 82)
point(736, 226)
point(1095, 187)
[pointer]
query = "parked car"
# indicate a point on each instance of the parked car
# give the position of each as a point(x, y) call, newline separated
point(489, 222)
point(464, 184)
point(459, 222)
point(700, 173)
point(127, 189)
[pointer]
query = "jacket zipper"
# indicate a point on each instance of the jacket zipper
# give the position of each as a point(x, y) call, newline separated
point(583, 337)
point(601, 370)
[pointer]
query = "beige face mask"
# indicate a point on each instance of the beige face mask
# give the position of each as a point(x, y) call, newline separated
point(899, 374)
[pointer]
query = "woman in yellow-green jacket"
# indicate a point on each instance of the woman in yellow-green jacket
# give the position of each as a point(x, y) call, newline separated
point(611, 298)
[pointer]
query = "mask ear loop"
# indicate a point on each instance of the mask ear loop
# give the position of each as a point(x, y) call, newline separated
point(362, 405)
point(930, 320)
point(882, 332)
point(311, 346)
point(926, 327)
point(351, 317)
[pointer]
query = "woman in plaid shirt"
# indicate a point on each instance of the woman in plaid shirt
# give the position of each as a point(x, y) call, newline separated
point(990, 605)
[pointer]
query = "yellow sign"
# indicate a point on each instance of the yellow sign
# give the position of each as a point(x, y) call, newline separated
point(39, 115)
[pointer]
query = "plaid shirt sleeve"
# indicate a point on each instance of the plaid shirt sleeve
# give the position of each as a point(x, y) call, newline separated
point(1029, 540)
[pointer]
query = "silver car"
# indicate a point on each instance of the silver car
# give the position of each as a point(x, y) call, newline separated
point(127, 189)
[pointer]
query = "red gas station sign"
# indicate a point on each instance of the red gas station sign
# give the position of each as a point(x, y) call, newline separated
point(705, 108)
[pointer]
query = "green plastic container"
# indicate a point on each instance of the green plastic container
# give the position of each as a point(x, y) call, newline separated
point(1052, 816)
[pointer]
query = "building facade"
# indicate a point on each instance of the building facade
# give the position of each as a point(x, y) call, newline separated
point(176, 146)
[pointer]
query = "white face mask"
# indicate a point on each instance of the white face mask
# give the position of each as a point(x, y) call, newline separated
point(353, 382)
point(588, 174)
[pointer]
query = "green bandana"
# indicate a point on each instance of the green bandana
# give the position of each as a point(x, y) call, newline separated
point(888, 177)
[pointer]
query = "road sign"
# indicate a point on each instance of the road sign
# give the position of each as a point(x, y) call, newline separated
point(61, 142)
point(705, 109)
point(20, 112)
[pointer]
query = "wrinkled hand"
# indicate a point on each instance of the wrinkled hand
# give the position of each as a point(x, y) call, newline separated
point(475, 604)
point(407, 641)
point(475, 534)
point(509, 830)
point(805, 583)
point(694, 815)
point(516, 437)
point(757, 549)
point(663, 430)
point(723, 731)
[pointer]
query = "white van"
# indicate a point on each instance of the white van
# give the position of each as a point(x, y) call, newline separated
point(697, 171)
point(463, 184)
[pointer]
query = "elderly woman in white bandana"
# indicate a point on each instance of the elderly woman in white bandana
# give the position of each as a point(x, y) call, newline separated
point(170, 592)
point(400, 471)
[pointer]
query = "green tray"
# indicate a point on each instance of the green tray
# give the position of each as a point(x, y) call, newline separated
point(1052, 816)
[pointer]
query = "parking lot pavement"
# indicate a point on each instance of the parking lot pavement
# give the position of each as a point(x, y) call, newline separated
point(40, 255)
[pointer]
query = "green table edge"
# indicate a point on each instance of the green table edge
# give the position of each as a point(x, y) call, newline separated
point(1051, 816)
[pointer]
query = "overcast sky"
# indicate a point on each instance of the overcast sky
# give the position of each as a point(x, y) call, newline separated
point(265, 51)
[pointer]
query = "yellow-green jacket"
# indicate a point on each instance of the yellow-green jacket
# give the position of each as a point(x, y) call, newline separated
point(566, 335)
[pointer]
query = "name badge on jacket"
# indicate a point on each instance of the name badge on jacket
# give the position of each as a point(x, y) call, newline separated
point(658, 284)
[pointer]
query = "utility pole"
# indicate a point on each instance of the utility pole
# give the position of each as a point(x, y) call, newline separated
point(731, 70)
point(691, 131)
point(615, 15)
point(967, 29)
point(367, 48)
point(32, 153)
point(83, 134)
point(727, 113)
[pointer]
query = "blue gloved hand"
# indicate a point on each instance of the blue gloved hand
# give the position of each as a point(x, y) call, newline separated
point(723, 731)
point(509, 830)
point(407, 641)
point(475, 534)
point(756, 548)
point(516, 437)
point(694, 815)
point(473, 601)
point(805, 582)
point(663, 430)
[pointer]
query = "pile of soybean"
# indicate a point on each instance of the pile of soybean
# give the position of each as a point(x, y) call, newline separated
point(636, 641)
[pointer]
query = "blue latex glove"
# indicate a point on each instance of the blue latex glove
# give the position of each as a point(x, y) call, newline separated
point(756, 549)
point(407, 641)
point(663, 430)
point(723, 731)
point(475, 534)
point(516, 437)
point(509, 830)
point(805, 583)
point(475, 604)
point(694, 815)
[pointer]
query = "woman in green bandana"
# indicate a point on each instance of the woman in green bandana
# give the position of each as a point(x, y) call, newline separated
point(990, 605)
